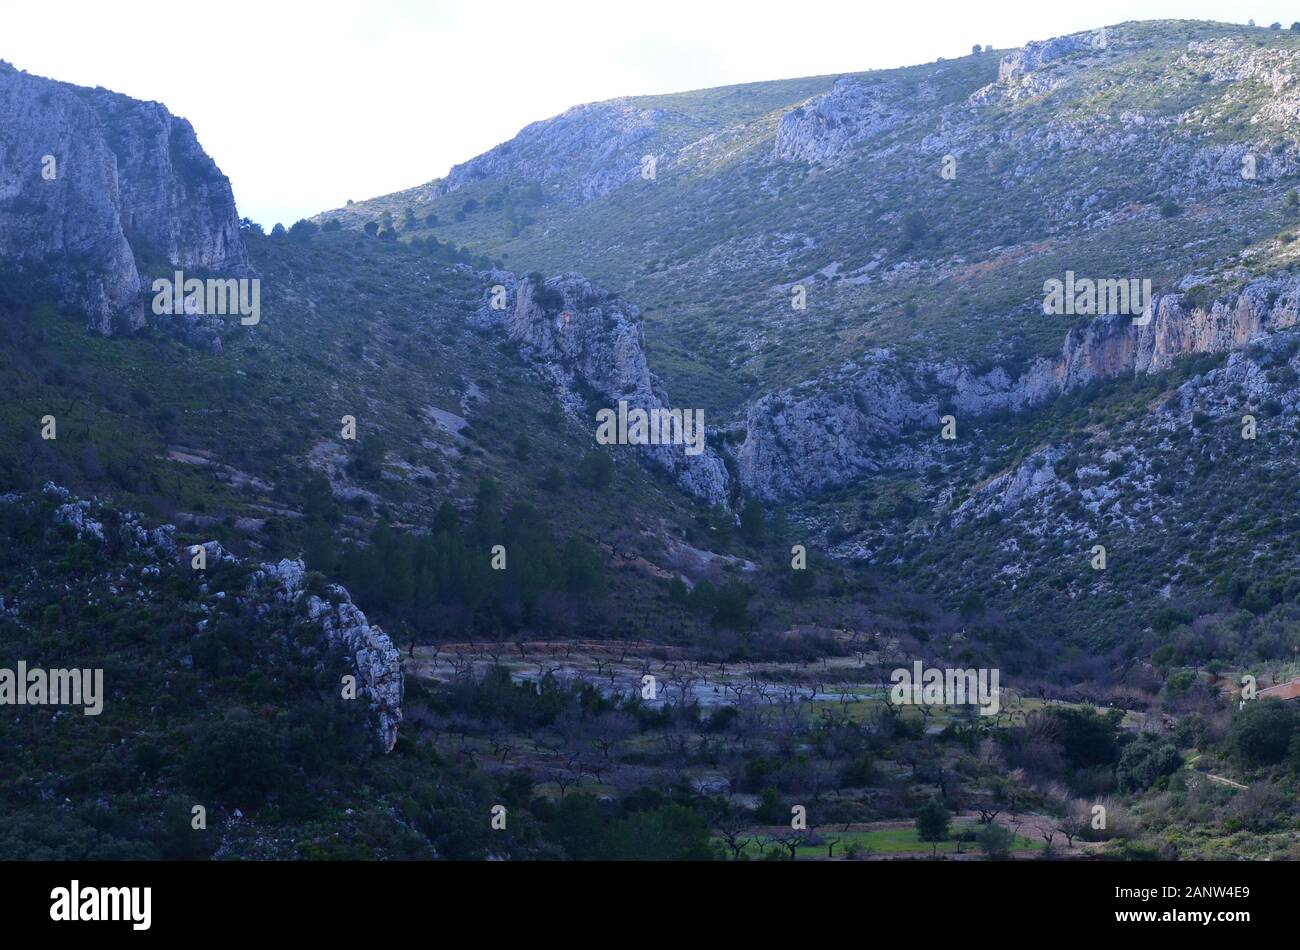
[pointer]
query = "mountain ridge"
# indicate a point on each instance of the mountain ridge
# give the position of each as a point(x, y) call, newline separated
point(133, 190)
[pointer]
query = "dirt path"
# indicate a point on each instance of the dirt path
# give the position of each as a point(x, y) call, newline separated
point(1225, 781)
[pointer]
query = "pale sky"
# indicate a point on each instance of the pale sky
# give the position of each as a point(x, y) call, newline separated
point(307, 104)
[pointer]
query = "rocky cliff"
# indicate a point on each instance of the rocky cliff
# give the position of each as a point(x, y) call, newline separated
point(584, 153)
point(829, 125)
point(371, 653)
point(831, 432)
point(98, 192)
point(579, 335)
point(1053, 487)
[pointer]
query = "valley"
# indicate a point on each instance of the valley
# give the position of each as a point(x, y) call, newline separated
point(456, 602)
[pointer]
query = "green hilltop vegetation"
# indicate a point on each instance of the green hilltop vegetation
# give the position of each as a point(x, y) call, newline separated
point(1045, 182)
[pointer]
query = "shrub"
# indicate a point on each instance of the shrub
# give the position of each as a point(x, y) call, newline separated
point(1261, 733)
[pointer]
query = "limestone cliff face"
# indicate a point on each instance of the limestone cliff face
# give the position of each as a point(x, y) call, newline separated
point(1259, 377)
point(828, 434)
point(1111, 346)
point(827, 126)
point(578, 334)
point(99, 192)
point(578, 156)
point(798, 442)
point(370, 652)
point(1032, 56)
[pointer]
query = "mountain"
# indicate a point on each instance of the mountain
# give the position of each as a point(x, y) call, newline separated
point(919, 441)
point(1079, 150)
point(131, 189)
point(923, 212)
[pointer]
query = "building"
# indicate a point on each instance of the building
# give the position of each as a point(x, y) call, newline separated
point(1283, 691)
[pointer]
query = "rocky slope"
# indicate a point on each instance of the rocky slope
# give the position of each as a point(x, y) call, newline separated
point(852, 114)
point(138, 561)
point(1165, 143)
point(582, 154)
point(132, 191)
point(578, 334)
point(798, 443)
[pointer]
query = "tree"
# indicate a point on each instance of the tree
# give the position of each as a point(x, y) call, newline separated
point(1144, 761)
point(914, 228)
point(972, 605)
point(237, 760)
point(993, 798)
point(487, 509)
point(368, 463)
point(731, 828)
point(753, 522)
point(1077, 821)
point(1086, 738)
point(996, 840)
point(446, 520)
point(318, 498)
point(792, 841)
point(1261, 733)
point(318, 548)
point(731, 605)
point(977, 49)
point(580, 828)
point(180, 839)
point(932, 823)
point(668, 833)
point(595, 471)
point(302, 230)
point(799, 584)
point(583, 569)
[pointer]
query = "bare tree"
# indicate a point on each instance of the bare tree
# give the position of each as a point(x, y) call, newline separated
point(792, 841)
point(498, 737)
point(731, 830)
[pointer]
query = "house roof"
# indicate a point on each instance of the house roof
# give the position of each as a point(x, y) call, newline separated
point(1283, 691)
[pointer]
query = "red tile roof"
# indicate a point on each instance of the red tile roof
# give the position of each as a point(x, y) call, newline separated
point(1283, 691)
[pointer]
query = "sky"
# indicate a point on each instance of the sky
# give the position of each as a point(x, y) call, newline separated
point(307, 104)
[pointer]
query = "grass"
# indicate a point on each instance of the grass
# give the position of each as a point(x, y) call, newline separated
point(888, 841)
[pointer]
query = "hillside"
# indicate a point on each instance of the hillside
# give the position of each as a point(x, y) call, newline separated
point(396, 470)
point(1158, 151)
point(1067, 155)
